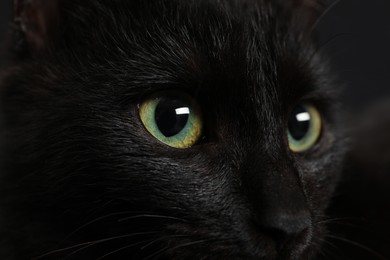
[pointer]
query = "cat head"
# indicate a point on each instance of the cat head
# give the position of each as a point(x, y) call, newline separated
point(171, 129)
point(40, 20)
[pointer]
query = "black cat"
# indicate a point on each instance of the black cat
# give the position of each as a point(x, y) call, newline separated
point(167, 129)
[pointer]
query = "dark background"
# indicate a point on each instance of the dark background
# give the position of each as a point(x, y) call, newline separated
point(354, 34)
point(5, 7)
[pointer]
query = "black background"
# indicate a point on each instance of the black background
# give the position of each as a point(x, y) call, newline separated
point(5, 7)
point(354, 34)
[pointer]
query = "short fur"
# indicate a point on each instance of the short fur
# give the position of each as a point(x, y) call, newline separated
point(82, 178)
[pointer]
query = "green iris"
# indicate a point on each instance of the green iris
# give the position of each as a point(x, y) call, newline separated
point(172, 118)
point(304, 127)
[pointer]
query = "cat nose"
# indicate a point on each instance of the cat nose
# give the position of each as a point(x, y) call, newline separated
point(282, 226)
point(280, 208)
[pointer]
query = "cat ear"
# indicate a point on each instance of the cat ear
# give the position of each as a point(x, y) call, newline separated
point(37, 20)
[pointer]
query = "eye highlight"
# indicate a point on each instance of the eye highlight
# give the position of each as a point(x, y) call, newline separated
point(304, 127)
point(172, 118)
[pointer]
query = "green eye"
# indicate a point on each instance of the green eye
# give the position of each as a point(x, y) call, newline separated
point(172, 118)
point(304, 127)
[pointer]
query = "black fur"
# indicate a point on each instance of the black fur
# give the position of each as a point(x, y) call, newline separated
point(81, 177)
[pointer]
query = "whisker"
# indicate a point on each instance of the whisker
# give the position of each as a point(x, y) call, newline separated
point(327, 242)
point(329, 254)
point(161, 238)
point(161, 251)
point(99, 242)
point(323, 15)
point(91, 243)
point(165, 249)
point(341, 221)
point(358, 245)
point(150, 216)
point(115, 251)
point(347, 222)
point(331, 39)
point(120, 220)
point(323, 244)
point(123, 248)
point(191, 243)
point(94, 221)
point(313, 54)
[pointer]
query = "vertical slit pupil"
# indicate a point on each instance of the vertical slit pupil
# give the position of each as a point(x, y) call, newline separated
point(171, 116)
point(299, 122)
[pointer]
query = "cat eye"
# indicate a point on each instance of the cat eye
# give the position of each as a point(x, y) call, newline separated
point(304, 127)
point(172, 118)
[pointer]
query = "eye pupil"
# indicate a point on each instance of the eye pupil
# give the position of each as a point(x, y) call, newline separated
point(299, 123)
point(304, 127)
point(171, 116)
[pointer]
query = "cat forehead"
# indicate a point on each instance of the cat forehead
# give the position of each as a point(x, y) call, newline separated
point(208, 46)
point(181, 41)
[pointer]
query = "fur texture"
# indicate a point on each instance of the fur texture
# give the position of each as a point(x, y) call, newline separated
point(81, 177)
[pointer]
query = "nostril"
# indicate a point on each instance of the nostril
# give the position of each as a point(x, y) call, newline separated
point(284, 228)
point(289, 243)
point(277, 235)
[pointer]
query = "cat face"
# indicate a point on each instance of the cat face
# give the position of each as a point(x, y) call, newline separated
point(167, 130)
